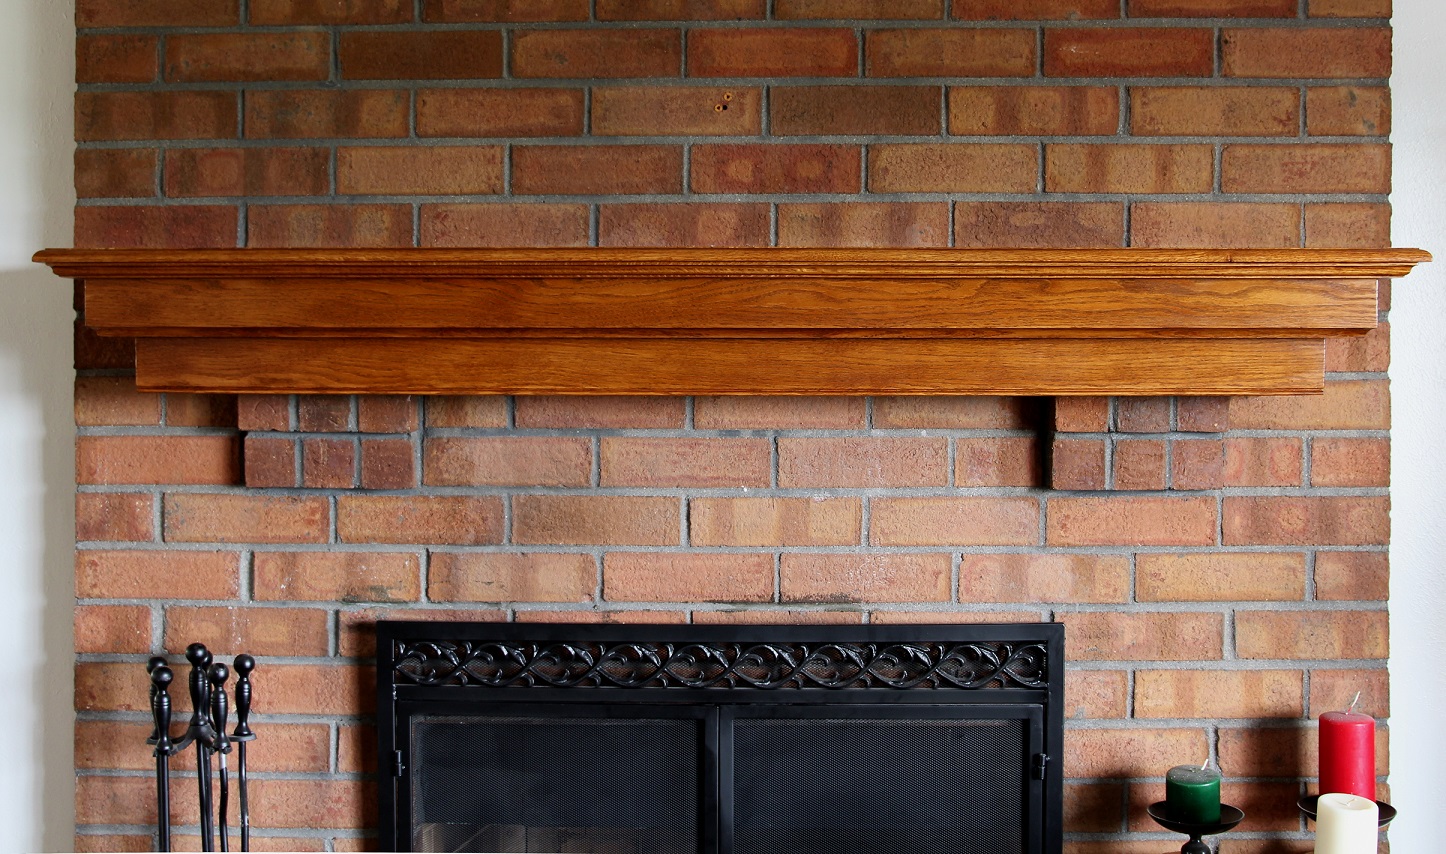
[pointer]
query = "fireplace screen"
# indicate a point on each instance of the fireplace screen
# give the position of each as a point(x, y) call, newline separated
point(668, 739)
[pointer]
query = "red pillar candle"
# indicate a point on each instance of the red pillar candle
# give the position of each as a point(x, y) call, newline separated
point(1348, 754)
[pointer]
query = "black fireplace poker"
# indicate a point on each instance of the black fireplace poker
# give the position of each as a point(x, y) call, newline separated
point(207, 732)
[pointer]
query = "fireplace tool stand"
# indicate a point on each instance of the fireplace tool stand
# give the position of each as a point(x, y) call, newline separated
point(207, 731)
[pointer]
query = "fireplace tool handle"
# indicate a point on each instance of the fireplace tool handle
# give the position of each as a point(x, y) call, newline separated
point(244, 664)
point(200, 659)
point(218, 674)
point(161, 715)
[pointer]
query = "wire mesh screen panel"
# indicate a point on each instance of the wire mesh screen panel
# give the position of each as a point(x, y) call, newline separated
point(555, 784)
point(882, 785)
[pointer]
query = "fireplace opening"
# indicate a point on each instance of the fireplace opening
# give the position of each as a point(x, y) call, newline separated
point(738, 740)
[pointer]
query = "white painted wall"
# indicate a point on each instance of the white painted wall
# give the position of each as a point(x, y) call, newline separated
point(1418, 410)
point(37, 48)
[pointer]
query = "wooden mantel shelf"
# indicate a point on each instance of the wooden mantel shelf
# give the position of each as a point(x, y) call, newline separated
point(755, 321)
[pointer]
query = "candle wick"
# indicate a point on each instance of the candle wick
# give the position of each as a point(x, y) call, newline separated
point(1355, 700)
point(1205, 764)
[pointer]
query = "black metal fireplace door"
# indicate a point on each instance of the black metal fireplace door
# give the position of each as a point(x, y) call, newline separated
point(645, 739)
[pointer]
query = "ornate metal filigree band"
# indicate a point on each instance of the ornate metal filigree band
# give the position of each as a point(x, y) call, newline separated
point(502, 664)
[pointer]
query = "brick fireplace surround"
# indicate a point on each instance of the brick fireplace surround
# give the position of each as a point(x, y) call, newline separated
point(1220, 565)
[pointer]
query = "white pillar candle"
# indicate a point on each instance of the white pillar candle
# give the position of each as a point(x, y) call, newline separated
point(1345, 824)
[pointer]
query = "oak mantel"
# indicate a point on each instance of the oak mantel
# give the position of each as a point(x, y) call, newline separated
point(734, 321)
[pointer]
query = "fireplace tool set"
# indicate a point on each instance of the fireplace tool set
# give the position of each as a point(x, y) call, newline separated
point(207, 731)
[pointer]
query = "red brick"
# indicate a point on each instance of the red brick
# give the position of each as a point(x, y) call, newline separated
point(336, 577)
point(683, 225)
point(315, 803)
point(1129, 168)
point(1215, 577)
point(944, 168)
point(681, 10)
point(1345, 405)
point(469, 411)
point(237, 57)
point(1350, 462)
point(1212, 8)
point(774, 521)
point(864, 224)
point(949, 521)
point(120, 800)
point(157, 459)
point(356, 630)
point(596, 169)
point(112, 628)
point(862, 462)
point(1301, 168)
point(499, 112)
point(387, 413)
point(1140, 464)
point(1221, 225)
point(112, 686)
point(508, 461)
point(1311, 634)
point(1123, 520)
point(154, 115)
point(504, 225)
point(356, 749)
point(951, 52)
point(1033, 10)
point(575, 413)
point(865, 577)
point(157, 13)
point(464, 520)
point(677, 111)
point(248, 172)
point(779, 413)
point(712, 577)
point(150, 227)
point(1034, 110)
point(1142, 415)
point(1271, 809)
point(202, 518)
point(1347, 226)
point(1129, 52)
point(1352, 576)
point(899, 616)
point(1197, 464)
point(593, 54)
point(183, 842)
point(117, 59)
point(774, 616)
point(1348, 111)
point(259, 631)
point(1290, 520)
point(326, 113)
point(850, 10)
point(421, 55)
point(328, 463)
point(436, 170)
point(1007, 461)
point(116, 517)
point(595, 520)
point(280, 13)
point(1202, 414)
point(639, 461)
point(1335, 689)
point(114, 401)
point(1216, 111)
point(854, 110)
point(323, 413)
point(609, 617)
point(270, 462)
point(953, 413)
point(796, 168)
point(201, 410)
point(1095, 694)
point(772, 53)
point(388, 464)
point(1350, 8)
point(156, 574)
point(1078, 464)
point(1116, 636)
point(1334, 52)
point(1081, 414)
point(122, 745)
point(534, 577)
point(1219, 694)
point(1134, 752)
point(1286, 751)
point(352, 226)
point(1044, 578)
point(487, 11)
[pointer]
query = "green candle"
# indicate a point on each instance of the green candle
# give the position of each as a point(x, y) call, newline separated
point(1192, 794)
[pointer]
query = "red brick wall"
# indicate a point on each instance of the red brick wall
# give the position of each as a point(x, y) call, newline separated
point(1222, 573)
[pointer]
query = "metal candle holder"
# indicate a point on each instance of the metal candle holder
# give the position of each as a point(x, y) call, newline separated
point(1229, 817)
point(207, 731)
